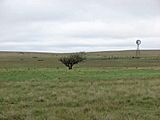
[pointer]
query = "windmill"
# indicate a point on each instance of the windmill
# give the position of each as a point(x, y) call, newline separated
point(138, 42)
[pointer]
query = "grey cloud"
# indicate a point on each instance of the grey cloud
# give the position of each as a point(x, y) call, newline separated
point(51, 25)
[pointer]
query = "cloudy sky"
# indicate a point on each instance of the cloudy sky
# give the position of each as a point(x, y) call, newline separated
point(78, 25)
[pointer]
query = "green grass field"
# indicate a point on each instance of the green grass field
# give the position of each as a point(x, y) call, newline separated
point(107, 86)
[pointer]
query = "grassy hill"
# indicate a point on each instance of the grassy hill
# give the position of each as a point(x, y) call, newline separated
point(94, 59)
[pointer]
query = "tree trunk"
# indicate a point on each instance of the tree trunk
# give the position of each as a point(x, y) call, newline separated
point(70, 67)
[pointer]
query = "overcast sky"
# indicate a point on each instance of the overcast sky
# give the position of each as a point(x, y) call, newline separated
point(78, 25)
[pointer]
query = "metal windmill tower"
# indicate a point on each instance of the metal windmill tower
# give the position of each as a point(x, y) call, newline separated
point(138, 42)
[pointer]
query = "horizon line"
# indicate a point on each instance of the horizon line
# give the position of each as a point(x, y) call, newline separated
point(30, 51)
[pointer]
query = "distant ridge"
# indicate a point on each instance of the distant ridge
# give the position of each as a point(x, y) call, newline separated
point(79, 51)
point(98, 53)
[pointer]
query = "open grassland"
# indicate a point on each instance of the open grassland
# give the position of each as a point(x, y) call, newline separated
point(97, 59)
point(107, 86)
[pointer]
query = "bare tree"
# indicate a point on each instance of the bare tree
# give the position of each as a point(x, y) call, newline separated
point(73, 59)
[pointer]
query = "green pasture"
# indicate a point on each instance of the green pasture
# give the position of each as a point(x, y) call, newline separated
point(107, 86)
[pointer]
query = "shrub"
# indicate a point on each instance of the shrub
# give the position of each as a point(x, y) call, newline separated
point(72, 59)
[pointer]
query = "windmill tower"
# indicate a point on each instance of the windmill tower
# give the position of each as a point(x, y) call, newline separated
point(138, 42)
